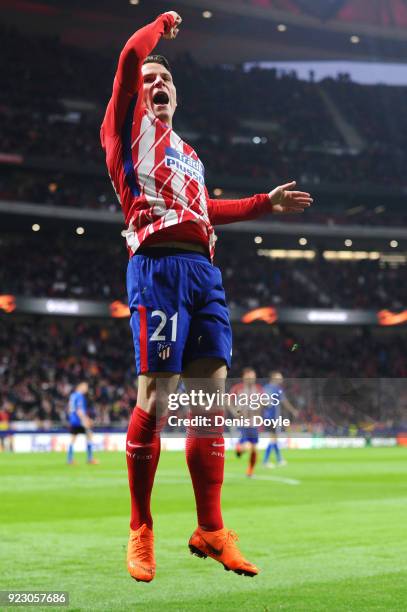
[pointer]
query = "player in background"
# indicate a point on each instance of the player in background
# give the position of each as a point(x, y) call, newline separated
point(6, 436)
point(179, 317)
point(80, 422)
point(249, 436)
point(275, 387)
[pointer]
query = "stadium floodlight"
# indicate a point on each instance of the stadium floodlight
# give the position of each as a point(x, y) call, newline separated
point(282, 27)
point(207, 14)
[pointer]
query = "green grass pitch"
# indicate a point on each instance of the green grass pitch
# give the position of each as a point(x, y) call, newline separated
point(329, 532)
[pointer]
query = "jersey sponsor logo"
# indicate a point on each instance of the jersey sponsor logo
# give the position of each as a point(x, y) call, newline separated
point(216, 444)
point(175, 160)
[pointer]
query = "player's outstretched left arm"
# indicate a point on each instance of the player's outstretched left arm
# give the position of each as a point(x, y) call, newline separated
point(281, 200)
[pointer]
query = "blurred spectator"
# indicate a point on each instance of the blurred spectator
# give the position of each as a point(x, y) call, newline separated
point(53, 98)
point(42, 359)
point(80, 268)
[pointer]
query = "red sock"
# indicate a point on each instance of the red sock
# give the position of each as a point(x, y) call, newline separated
point(206, 460)
point(253, 459)
point(142, 453)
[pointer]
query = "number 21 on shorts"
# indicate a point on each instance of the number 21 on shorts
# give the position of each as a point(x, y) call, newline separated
point(161, 337)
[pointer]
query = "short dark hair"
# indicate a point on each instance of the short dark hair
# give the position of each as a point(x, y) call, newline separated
point(158, 59)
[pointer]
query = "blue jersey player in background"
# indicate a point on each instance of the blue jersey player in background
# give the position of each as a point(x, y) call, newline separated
point(79, 421)
point(275, 387)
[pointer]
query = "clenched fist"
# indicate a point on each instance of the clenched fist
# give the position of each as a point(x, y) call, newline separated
point(172, 33)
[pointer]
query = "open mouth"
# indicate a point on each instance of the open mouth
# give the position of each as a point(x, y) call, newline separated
point(161, 97)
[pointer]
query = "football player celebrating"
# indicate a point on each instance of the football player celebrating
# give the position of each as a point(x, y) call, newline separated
point(179, 317)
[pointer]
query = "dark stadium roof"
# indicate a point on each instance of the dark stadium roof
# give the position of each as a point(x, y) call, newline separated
point(239, 30)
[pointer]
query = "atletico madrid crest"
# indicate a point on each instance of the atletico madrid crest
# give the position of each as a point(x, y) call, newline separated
point(164, 350)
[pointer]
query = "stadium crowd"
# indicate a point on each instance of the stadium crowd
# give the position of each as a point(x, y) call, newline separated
point(79, 268)
point(42, 359)
point(56, 188)
point(52, 103)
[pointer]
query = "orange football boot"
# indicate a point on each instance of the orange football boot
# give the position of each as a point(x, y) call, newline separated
point(221, 546)
point(140, 554)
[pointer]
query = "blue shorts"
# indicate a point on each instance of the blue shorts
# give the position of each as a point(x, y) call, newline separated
point(178, 310)
point(249, 434)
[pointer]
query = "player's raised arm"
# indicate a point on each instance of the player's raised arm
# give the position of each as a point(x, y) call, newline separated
point(140, 45)
point(128, 79)
point(282, 199)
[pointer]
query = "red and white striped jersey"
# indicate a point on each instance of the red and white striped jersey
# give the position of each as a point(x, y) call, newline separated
point(158, 178)
point(166, 179)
